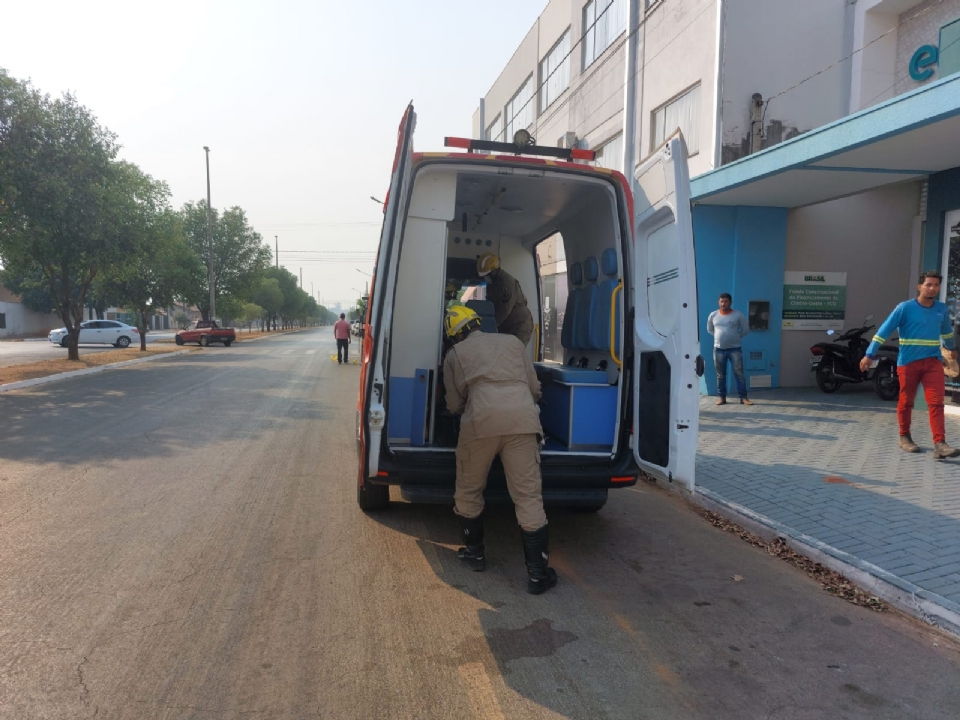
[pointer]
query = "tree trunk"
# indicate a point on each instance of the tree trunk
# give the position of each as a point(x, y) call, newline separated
point(73, 351)
point(142, 327)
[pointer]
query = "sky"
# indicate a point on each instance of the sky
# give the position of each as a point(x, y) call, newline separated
point(299, 102)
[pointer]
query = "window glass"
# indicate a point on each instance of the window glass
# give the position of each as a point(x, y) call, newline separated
point(555, 72)
point(495, 130)
point(610, 154)
point(683, 113)
point(553, 291)
point(519, 110)
point(603, 22)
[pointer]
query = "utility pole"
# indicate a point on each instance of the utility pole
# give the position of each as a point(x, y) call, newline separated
point(276, 250)
point(213, 298)
point(301, 278)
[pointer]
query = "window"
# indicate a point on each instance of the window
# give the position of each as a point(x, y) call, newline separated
point(610, 154)
point(519, 110)
point(683, 113)
point(555, 72)
point(3, 321)
point(603, 21)
point(494, 130)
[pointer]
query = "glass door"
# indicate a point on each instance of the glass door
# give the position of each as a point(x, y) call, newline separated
point(951, 264)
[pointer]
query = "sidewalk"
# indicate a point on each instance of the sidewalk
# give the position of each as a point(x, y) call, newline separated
point(827, 468)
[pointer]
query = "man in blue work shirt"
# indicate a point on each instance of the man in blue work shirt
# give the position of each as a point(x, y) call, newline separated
point(923, 324)
point(728, 327)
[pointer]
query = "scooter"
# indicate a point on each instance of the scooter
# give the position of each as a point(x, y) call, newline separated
point(836, 364)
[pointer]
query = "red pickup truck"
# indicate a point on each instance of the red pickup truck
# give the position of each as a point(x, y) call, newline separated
point(206, 332)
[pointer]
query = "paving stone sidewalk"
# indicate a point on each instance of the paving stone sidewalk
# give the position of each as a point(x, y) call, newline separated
point(828, 466)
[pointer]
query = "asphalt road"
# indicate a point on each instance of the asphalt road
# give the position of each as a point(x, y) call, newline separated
point(180, 539)
point(18, 352)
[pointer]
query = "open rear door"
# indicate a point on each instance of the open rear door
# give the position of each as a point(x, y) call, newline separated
point(372, 407)
point(666, 340)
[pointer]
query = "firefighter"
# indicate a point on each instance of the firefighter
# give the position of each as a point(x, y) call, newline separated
point(490, 380)
point(509, 303)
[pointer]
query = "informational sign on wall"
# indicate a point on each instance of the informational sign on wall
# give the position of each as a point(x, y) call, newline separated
point(814, 300)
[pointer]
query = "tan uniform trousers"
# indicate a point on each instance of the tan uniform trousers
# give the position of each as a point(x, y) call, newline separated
point(520, 455)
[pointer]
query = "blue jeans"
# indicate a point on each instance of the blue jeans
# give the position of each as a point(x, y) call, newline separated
point(735, 355)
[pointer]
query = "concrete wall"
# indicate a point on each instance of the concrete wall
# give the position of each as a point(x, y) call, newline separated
point(921, 26)
point(867, 236)
point(21, 321)
point(740, 250)
point(677, 51)
point(679, 48)
point(771, 47)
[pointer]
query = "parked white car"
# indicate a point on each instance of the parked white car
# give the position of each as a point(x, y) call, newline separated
point(108, 332)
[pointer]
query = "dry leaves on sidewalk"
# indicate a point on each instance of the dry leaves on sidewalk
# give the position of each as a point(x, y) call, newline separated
point(833, 582)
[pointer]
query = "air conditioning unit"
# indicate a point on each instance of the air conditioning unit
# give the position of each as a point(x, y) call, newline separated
point(568, 141)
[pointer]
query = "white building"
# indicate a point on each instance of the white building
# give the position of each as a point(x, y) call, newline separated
point(747, 82)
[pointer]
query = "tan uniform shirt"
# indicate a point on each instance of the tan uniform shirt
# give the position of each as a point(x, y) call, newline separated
point(490, 379)
point(510, 306)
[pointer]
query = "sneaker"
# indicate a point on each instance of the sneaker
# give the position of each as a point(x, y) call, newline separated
point(721, 401)
point(745, 401)
point(908, 445)
point(942, 450)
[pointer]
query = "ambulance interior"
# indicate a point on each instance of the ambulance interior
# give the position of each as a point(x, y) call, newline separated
point(457, 213)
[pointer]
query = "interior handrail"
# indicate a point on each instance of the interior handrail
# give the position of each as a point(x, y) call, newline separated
point(613, 326)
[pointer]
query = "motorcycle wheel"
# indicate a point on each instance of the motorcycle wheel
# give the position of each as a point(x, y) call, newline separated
point(825, 378)
point(886, 382)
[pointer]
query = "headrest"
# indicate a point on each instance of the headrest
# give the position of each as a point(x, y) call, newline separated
point(590, 269)
point(609, 262)
point(576, 274)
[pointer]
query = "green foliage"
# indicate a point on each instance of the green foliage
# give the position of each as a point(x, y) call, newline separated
point(251, 313)
point(62, 197)
point(239, 255)
point(181, 320)
point(157, 272)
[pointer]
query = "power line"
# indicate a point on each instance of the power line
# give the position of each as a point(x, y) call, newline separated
point(536, 92)
point(646, 61)
point(767, 102)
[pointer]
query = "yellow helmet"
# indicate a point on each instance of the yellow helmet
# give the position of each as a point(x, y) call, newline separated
point(487, 263)
point(458, 319)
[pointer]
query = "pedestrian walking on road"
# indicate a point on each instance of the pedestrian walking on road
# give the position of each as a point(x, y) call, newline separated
point(728, 327)
point(490, 380)
point(923, 325)
point(341, 331)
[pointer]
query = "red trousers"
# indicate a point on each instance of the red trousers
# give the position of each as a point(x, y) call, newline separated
point(929, 373)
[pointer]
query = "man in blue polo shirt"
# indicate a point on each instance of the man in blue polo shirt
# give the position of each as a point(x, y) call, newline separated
point(923, 324)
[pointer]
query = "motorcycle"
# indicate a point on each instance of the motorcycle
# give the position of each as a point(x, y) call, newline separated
point(836, 364)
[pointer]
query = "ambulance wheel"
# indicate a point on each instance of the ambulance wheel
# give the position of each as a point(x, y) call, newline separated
point(372, 498)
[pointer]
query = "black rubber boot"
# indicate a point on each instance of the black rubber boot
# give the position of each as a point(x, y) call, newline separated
point(537, 554)
point(472, 554)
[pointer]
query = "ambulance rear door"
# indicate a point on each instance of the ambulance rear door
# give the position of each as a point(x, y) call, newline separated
point(373, 402)
point(665, 326)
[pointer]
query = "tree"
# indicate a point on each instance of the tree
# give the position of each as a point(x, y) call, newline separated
point(181, 320)
point(269, 296)
point(239, 255)
point(251, 313)
point(159, 268)
point(229, 308)
point(62, 198)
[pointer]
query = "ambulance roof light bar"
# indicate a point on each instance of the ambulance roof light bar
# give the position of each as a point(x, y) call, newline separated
point(523, 144)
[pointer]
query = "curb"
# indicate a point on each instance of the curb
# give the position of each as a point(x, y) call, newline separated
point(903, 595)
point(85, 371)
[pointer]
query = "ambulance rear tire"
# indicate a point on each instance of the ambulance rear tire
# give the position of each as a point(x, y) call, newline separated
point(373, 498)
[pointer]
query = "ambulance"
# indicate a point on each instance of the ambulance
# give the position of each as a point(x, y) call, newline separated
point(620, 376)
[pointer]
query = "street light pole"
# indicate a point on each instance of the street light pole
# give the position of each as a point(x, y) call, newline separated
point(213, 298)
point(276, 250)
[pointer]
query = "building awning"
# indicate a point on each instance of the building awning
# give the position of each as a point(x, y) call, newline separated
point(906, 138)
